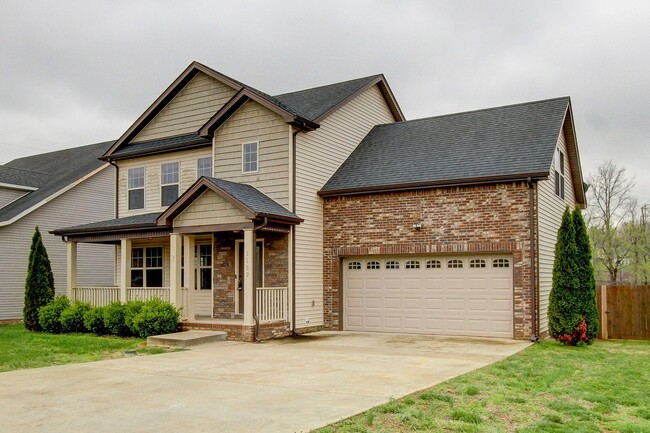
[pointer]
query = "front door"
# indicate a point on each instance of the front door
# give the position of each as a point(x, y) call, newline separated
point(259, 274)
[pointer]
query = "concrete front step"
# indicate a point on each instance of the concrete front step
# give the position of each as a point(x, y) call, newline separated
point(186, 338)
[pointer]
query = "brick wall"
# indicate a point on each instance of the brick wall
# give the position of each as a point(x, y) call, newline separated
point(486, 219)
point(238, 332)
point(276, 268)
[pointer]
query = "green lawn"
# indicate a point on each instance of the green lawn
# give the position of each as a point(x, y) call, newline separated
point(22, 349)
point(546, 388)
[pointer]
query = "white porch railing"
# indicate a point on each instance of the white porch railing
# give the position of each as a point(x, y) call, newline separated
point(146, 293)
point(96, 296)
point(272, 304)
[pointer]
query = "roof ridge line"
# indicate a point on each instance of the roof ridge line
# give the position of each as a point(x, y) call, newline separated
point(327, 85)
point(474, 111)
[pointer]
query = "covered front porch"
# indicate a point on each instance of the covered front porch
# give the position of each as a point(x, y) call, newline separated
point(223, 273)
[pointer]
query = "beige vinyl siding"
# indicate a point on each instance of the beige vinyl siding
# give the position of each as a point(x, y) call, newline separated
point(318, 154)
point(253, 122)
point(7, 195)
point(151, 164)
point(209, 208)
point(551, 208)
point(90, 201)
point(201, 98)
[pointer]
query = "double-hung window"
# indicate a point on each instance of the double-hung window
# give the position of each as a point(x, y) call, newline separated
point(135, 188)
point(204, 167)
point(147, 267)
point(559, 173)
point(169, 183)
point(250, 157)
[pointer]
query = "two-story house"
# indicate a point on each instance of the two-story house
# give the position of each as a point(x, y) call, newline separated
point(230, 174)
point(323, 209)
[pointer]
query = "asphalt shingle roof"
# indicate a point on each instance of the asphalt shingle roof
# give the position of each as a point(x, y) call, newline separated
point(317, 101)
point(135, 221)
point(497, 142)
point(18, 176)
point(252, 198)
point(63, 167)
point(178, 142)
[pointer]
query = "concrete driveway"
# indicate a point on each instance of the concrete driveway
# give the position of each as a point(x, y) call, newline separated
point(290, 385)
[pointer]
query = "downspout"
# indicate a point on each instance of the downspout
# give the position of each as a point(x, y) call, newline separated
point(293, 240)
point(117, 186)
point(533, 280)
point(255, 315)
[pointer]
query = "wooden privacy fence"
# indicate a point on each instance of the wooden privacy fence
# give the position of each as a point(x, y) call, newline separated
point(624, 312)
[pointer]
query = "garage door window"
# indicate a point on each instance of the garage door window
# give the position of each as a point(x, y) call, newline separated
point(433, 264)
point(354, 265)
point(477, 263)
point(391, 264)
point(455, 264)
point(500, 263)
point(412, 264)
point(373, 265)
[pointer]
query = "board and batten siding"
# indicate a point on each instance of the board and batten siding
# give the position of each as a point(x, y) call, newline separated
point(152, 200)
point(90, 201)
point(550, 210)
point(255, 123)
point(189, 109)
point(7, 195)
point(318, 155)
point(208, 209)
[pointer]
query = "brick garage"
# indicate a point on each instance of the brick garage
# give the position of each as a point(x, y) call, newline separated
point(473, 219)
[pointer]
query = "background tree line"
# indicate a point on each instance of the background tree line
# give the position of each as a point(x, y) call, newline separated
point(619, 227)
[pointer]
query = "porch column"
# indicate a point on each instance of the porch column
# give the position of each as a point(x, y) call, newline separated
point(125, 267)
point(71, 269)
point(249, 275)
point(188, 246)
point(175, 245)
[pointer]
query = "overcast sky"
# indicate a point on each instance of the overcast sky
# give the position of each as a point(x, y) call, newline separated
point(76, 73)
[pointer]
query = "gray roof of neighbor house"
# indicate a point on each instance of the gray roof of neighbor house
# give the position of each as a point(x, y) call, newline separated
point(514, 141)
point(58, 169)
point(21, 177)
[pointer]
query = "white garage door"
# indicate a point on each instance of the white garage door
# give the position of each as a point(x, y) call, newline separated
point(455, 295)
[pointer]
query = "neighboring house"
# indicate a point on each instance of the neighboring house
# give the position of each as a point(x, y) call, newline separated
point(323, 208)
point(50, 190)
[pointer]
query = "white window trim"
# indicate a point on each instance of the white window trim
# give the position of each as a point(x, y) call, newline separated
point(178, 183)
point(211, 166)
point(560, 184)
point(144, 267)
point(144, 191)
point(257, 165)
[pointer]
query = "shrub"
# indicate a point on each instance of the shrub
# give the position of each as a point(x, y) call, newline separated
point(49, 316)
point(156, 317)
point(94, 321)
point(114, 319)
point(563, 314)
point(72, 318)
point(586, 302)
point(39, 284)
point(131, 309)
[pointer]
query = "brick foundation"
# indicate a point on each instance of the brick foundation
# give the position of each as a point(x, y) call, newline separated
point(475, 219)
point(239, 332)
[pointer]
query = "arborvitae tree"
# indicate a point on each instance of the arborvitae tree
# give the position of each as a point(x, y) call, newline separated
point(563, 314)
point(39, 286)
point(586, 301)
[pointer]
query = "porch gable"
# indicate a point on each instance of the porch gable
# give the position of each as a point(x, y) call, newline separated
point(210, 209)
